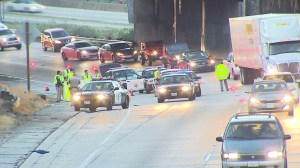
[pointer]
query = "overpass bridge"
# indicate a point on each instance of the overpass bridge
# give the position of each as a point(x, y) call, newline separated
point(203, 24)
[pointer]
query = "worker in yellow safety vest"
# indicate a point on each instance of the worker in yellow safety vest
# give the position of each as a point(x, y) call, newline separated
point(222, 73)
point(98, 75)
point(58, 82)
point(87, 77)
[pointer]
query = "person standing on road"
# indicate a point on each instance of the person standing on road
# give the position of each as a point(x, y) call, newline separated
point(58, 81)
point(164, 61)
point(98, 76)
point(87, 77)
point(74, 85)
point(222, 73)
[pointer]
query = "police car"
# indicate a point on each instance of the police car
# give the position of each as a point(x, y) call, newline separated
point(148, 75)
point(127, 77)
point(104, 93)
point(195, 78)
point(174, 86)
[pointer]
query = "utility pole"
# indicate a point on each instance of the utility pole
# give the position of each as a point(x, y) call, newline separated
point(203, 27)
point(27, 54)
point(245, 5)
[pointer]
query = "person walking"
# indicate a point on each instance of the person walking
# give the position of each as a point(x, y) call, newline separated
point(58, 81)
point(74, 86)
point(222, 73)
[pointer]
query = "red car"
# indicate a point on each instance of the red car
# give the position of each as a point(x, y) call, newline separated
point(79, 50)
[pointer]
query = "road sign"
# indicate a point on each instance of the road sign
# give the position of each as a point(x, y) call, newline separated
point(33, 32)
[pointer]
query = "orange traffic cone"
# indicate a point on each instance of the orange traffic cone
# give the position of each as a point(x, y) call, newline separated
point(47, 88)
point(131, 92)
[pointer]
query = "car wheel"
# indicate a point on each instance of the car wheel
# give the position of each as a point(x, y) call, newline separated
point(285, 162)
point(109, 105)
point(64, 57)
point(125, 105)
point(102, 59)
point(76, 108)
point(78, 56)
point(192, 97)
point(160, 100)
point(92, 109)
point(44, 47)
point(54, 49)
point(198, 94)
point(1, 48)
point(291, 113)
point(18, 47)
point(141, 91)
point(148, 91)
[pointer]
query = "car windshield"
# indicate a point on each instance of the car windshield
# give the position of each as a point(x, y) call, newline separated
point(118, 46)
point(97, 86)
point(252, 130)
point(284, 47)
point(5, 32)
point(196, 55)
point(287, 78)
point(82, 44)
point(149, 73)
point(174, 79)
point(59, 33)
point(191, 75)
point(125, 74)
point(269, 87)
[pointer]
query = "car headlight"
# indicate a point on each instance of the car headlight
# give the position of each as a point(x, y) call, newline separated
point(101, 97)
point(76, 97)
point(119, 54)
point(4, 40)
point(135, 52)
point(83, 52)
point(57, 41)
point(162, 90)
point(274, 154)
point(212, 61)
point(286, 98)
point(231, 156)
point(154, 53)
point(73, 39)
point(18, 38)
point(185, 88)
point(193, 64)
point(177, 57)
point(253, 100)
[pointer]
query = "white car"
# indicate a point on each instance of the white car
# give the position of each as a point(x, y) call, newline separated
point(24, 6)
point(8, 39)
point(289, 80)
point(233, 69)
point(3, 26)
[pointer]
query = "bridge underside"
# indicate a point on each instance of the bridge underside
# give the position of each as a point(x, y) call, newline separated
point(182, 20)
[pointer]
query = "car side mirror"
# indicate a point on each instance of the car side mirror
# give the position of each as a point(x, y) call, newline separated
point(287, 137)
point(247, 92)
point(219, 139)
point(116, 88)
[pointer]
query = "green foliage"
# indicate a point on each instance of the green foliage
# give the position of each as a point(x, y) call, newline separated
point(86, 31)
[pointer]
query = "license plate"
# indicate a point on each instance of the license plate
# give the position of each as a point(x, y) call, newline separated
point(87, 102)
point(253, 164)
point(173, 94)
point(270, 105)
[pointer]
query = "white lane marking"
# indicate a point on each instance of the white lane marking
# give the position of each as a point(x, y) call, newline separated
point(21, 78)
point(207, 157)
point(53, 56)
point(93, 156)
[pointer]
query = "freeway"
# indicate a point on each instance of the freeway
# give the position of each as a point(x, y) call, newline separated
point(172, 134)
point(73, 16)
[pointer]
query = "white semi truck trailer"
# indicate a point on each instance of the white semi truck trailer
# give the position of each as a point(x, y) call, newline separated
point(265, 44)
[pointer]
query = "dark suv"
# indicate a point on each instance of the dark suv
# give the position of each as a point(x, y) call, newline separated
point(55, 38)
point(254, 140)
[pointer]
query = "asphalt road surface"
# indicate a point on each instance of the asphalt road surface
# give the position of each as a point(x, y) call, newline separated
point(177, 133)
point(93, 18)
